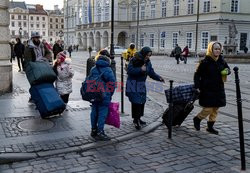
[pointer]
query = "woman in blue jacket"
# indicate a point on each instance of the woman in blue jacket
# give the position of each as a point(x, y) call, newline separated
point(99, 111)
point(138, 69)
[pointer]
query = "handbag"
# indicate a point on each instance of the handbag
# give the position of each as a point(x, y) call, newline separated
point(113, 117)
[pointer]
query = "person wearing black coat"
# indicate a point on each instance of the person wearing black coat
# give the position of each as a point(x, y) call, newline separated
point(57, 48)
point(19, 52)
point(209, 80)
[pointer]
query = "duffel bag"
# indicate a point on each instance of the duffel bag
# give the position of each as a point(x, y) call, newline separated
point(39, 72)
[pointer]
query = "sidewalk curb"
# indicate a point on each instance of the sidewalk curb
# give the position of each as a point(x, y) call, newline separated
point(17, 157)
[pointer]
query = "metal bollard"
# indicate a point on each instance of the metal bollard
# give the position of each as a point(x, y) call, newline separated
point(240, 119)
point(170, 109)
point(122, 88)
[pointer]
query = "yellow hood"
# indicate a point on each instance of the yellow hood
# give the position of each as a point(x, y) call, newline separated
point(210, 50)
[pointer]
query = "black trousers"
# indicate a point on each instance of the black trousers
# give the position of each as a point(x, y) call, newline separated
point(137, 110)
point(65, 98)
point(20, 62)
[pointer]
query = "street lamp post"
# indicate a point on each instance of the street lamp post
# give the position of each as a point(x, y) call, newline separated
point(196, 27)
point(137, 24)
point(112, 53)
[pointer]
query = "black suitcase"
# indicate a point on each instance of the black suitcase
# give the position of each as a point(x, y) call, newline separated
point(180, 112)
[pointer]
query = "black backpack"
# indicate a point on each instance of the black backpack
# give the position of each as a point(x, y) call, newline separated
point(89, 86)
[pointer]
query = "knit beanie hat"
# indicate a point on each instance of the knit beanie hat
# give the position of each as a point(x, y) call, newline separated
point(61, 56)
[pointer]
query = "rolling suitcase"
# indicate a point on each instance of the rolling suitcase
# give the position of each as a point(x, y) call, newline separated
point(180, 113)
point(47, 99)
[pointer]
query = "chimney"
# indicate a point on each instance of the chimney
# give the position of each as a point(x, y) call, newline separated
point(56, 7)
point(39, 7)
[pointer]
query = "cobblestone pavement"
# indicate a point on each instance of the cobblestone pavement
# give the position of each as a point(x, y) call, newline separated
point(188, 151)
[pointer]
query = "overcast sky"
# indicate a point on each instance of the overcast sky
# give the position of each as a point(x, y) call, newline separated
point(47, 4)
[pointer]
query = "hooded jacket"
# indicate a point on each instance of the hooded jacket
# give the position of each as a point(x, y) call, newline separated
point(136, 86)
point(208, 79)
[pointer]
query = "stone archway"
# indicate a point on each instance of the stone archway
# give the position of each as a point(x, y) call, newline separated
point(91, 40)
point(85, 41)
point(122, 39)
point(105, 39)
point(98, 41)
point(79, 40)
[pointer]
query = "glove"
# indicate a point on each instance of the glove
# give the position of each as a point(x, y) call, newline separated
point(224, 72)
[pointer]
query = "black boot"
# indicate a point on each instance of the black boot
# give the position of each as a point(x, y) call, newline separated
point(93, 132)
point(197, 122)
point(137, 124)
point(210, 128)
point(142, 122)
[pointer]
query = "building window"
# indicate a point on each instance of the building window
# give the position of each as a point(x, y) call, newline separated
point(56, 20)
point(164, 9)
point(243, 40)
point(19, 17)
point(32, 25)
point(56, 33)
point(12, 17)
point(56, 26)
point(37, 25)
point(43, 33)
point(62, 26)
point(43, 18)
point(51, 20)
point(51, 33)
point(13, 24)
point(176, 7)
point(151, 40)
point(163, 39)
point(61, 20)
point(213, 38)
point(19, 24)
point(31, 17)
point(235, 6)
point(13, 33)
point(24, 17)
point(43, 25)
point(142, 40)
point(99, 11)
point(133, 38)
point(190, 6)
point(51, 26)
point(206, 6)
point(189, 39)
point(25, 33)
point(106, 10)
point(204, 40)
point(37, 18)
point(24, 24)
point(142, 12)
point(153, 11)
point(175, 39)
point(134, 13)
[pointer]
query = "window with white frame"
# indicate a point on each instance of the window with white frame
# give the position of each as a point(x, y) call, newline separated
point(235, 6)
point(134, 13)
point(133, 38)
point(142, 40)
point(106, 10)
point(163, 8)
point(13, 24)
point(175, 39)
point(153, 10)
point(204, 40)
point(151, 40)
point(189, 39)
point(206, 6)
point(190, 7)
point(85, 15)
point(176, 7)
point(143, 12)
point(99, 11)
point(163, 39)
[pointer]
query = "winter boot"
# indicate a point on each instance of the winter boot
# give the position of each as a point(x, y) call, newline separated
point(101, 136)
point(137, 124)
point(197, 122)
point(142, 122)
point(93, 132)
point(210, 128)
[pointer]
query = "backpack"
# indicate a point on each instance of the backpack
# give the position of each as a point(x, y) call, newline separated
point(89, 86)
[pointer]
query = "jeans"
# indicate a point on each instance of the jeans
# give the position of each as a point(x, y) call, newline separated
point(98, 116)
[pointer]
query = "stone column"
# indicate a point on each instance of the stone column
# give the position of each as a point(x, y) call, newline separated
point(5, 65)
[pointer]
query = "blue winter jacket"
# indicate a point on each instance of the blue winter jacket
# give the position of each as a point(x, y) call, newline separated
point(136, 86)
point(103, 63)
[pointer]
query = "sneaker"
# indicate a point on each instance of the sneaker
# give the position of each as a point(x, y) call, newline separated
point(137, 124)
point(93, 133)
point(101, 136)
point(142, 122)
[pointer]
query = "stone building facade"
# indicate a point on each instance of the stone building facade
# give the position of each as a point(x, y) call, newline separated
point(162, 23)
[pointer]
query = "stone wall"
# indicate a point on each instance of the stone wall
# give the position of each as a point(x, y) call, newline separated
point(5, 65)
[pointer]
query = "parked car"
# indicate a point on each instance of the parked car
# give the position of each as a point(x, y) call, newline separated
point(118, 49)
